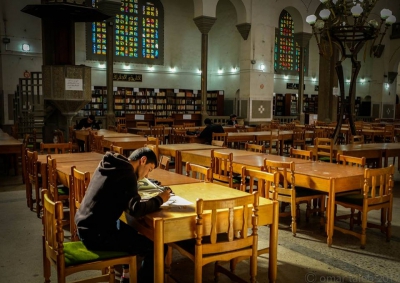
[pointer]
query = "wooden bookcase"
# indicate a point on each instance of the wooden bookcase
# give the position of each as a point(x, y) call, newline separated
point(290, 104)
point(131, 119)
point(179, 119)
point(279, 105)
point(98, 105)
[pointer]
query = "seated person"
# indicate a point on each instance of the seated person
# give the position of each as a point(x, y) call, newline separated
point(210, 128)
point(88, 123)
point(232, 120)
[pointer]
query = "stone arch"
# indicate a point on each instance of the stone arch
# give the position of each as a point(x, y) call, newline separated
point(208, 8)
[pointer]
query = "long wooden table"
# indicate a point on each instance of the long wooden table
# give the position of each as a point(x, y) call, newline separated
point(128, 143)
point(173, 224)
point(11, 146)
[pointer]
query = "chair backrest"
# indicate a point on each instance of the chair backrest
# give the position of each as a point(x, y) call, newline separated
point(120, 121)
point(117, 149)
point(220, 136)
point(112, 128)
point(198, 172)
point(263, 182)
point(299, 137)
point(55, 148)
point(187, 125)
point(52, 178)
point(142, 124)
point(356, 139)
point(230, 129)
point(30, 140)
point(96, 145)
point(154, 148)
point(78, 186)
point(255, 147)
point(320, 133)
point(31, 158)
point(388, 134)
point(122, 129)
point(300, 153)
point(58, 136)
point(221, 168)
point(178, 136)
point(223, 240)
point(158, 132)
point(286, 179)
point(324, 148)
point(378, 186)
point(164, 162)
point(350, 160)
point(217, 143)
point(141, 133)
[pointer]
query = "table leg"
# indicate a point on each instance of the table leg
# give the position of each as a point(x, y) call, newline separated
point(158, 250)
point(330, 214)
point(273, 244)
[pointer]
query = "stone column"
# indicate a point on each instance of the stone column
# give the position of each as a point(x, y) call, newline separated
point(204, 24)
point(303, 40)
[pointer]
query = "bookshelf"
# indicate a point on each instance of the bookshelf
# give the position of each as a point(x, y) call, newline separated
point(279, 105)
point(290, 104)
point(98, 105)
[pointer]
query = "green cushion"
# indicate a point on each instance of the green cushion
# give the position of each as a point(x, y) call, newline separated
point(356, 199)
point(303, 192)
point(76, 253)
point(326, 159)
point(62, 191)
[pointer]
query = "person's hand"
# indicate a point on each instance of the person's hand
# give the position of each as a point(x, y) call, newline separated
point(165, 194)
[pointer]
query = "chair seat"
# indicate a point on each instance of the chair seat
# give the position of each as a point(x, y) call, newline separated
point(326, 159)
point(76, 253)
point(304, 192)
point(62, 190)
point(355, 199)
point(189, 245)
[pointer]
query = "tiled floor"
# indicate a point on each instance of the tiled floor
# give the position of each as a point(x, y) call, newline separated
point(305, 258)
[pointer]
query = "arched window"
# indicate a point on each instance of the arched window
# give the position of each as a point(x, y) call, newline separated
point(287, 50)
point(139, 36)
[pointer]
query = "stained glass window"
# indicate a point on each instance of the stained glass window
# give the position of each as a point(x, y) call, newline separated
point(137, 33)
point(287, 50)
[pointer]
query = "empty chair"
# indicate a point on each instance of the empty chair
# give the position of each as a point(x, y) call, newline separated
point(30, 141)
point(78, 186)
point(73, 257)
point(299, 138)
point(268, 140)
point(300, 153)
point(96, 144)
point(376, 195)
point(217, 143)
point(254, 147)
point(32, 180)
point(198, 172)
point(49, 148)
point(158, 132)
point(164, 162)
point(188, 125)
point(286, 191)
point(222, 171)
point(142, 124)
point(220, 137)
point(178, 136)
point(117, 149)
point(356, 139)
point(324, 149)
point(72, 139)
point(221, 244)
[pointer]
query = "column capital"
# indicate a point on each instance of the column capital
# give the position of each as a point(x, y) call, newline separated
point(204, 23)
point(302, 38)
point(244, 30)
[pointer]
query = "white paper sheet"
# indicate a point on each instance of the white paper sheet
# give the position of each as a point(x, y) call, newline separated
point(176, 201)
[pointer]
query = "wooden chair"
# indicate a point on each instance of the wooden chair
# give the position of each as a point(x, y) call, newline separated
point(178, 136)
point(32, 180)
point(30, 141)
point(141, 133)
point(218, 143)
point(221, 244)
point(158, 132)
point(219, 137)
point(189, 125)
point(73, 257)
point(72, 139)
point(286, 191)
point(117, 149)
point(222, 171)
point(164, 162)
point(112, 128)
point(142, 124)
point(254, 147)
point(49, 148)
point(376, 195)
point(388, 135)
point(268, 140)
point(302, 154)
point(153, 144)
point(198, 172)
point(324, 149)
point(78, 186)
point(58, 136)
point(122, 129)
point(356, 139)
point(299, 138)
point(96, 144)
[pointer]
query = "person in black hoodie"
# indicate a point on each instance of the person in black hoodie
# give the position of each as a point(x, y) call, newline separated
point(112, 190)
point(210, 128)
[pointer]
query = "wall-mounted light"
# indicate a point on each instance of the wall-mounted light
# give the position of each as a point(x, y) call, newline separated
point(286, 77)
point(172, 69)
point(314, 79)
point(26, 47)
point(198, 71)
point(348, 81)
point(262, 67)
point(151, 68)
point(102, 65)
point(387, 86)
point(220, 71)
point(362, 80)
point(127, 66)
point(234, 69)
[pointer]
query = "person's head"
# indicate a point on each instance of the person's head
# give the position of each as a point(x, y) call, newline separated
point(143, 160)
point(233, 117)
point(207, 121)
point(91, 119)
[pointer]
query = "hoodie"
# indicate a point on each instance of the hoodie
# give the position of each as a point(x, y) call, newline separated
point(112, 190)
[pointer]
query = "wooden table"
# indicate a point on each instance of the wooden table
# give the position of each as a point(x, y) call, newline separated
point(172, 149)
point(173, 224)
point(331, 179)
point(128, 143)
point(13, 147)
point(83, 135)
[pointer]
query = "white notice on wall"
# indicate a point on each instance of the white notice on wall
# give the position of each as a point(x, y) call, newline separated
point(135, 89)
point(139, 117)
point(73, 84)
point(221, 92)
point(187, 116)
point(176, 90)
